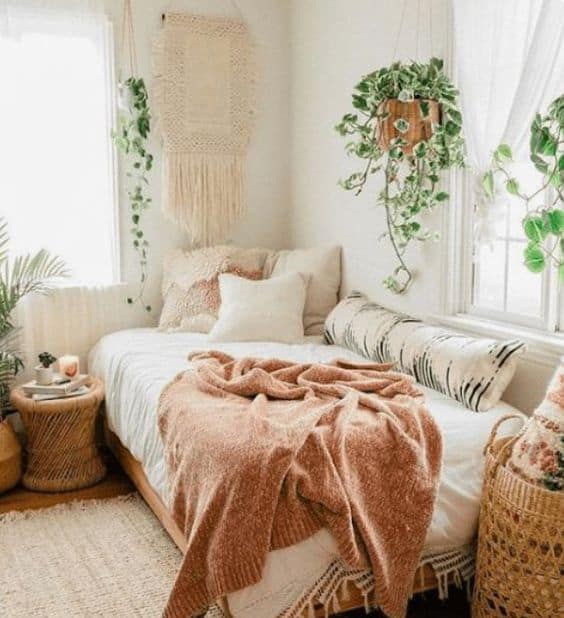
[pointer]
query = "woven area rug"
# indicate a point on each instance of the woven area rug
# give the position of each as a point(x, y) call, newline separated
point(91, 558)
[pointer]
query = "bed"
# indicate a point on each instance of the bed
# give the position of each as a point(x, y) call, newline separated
point(136, 364)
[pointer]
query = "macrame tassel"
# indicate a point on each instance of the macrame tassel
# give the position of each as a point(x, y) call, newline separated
point(204, 194)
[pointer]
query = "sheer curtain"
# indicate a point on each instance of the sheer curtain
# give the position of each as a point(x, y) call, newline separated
point(56, 163)
point(509, 62)
point(56, 168)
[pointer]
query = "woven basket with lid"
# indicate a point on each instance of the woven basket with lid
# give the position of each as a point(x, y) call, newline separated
point(520, 561)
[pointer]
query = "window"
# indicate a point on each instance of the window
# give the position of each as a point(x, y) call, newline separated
point(502, 287)
point(57, 186)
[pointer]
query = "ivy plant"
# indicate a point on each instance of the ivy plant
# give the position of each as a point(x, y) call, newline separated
point(411, 185)
point(134, 127)
point(543, 224)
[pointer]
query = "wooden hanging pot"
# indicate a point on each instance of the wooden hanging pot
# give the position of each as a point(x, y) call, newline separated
point(420, 127)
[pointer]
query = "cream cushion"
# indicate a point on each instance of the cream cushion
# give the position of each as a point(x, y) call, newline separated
point(267, 310)
point(323, 264)
point(474, 371)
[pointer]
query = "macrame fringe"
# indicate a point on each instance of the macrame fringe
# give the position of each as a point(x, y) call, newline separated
point(203, 170)
point(335, 581)
point(204, 194)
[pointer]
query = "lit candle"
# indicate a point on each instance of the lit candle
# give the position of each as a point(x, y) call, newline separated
point(68, 366)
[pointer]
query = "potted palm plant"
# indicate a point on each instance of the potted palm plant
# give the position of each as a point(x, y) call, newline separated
point(23, 275)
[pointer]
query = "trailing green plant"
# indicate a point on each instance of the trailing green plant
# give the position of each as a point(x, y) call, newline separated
point(20, 276)
point(543, 223)
point(134, 127)
point(411, 181)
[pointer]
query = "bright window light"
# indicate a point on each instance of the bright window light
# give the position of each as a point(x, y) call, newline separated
point(56, 167)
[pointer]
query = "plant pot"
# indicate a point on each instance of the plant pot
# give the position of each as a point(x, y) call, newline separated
point(44, 375)
point(420, 127)
point(10, 457)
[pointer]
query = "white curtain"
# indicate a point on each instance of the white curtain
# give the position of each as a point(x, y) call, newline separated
point(71, 320)
point(509, 64)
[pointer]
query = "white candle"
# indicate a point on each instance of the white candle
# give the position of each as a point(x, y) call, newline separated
point(69, 366)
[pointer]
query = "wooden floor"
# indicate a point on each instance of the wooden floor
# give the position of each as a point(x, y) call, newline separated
point(116, 483)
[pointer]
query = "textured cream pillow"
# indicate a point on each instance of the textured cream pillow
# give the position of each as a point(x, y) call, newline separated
point(190, 283)
point(267, 310)
point(324, 266)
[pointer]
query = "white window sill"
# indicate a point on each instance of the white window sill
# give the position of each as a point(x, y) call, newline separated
point(542, 347)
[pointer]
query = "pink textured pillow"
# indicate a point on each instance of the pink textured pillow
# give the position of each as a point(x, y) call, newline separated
point(538, 453)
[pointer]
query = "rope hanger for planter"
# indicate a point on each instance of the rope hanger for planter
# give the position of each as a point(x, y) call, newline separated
point(127, 42)
point(408, 127)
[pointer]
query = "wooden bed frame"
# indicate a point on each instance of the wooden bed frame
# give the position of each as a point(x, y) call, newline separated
point(424, 578)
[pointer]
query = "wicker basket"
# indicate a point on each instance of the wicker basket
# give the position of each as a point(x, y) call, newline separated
point(420, 128)
point(520, 561)
point(10, 457)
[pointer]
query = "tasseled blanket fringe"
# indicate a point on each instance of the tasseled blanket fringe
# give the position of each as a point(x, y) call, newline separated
point(334, 584)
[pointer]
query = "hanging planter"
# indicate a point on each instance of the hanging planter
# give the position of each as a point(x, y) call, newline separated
point(407, 125)
point(419, 127)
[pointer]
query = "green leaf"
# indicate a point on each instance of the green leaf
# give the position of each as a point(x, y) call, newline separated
point(556, 221)
point(452, 128)
point(424, 108)
point(420, 150)
point(488, 184)
point(535, 229)
point(402, 125)
point(540, 164)
point(359, 102)
point(442, 196)
point(405, 95)
point(534, 259)
point(512, 186)
point(504, 153)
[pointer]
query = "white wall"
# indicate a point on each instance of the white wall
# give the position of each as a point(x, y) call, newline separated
point(333, 44)
point(267, 220)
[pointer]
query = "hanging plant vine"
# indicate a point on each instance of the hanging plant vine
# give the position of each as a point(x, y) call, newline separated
point(407, 124)
point(134, 126)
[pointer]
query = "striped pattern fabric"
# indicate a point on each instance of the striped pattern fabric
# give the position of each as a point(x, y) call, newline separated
point(473, 371)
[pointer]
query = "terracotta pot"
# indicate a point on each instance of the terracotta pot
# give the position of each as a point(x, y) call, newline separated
point(10, 457)
point(420, 128)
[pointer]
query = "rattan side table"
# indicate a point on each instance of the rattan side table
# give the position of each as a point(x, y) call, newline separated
point(61, 445)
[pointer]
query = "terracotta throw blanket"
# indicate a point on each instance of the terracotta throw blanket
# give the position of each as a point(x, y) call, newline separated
point(262, 453)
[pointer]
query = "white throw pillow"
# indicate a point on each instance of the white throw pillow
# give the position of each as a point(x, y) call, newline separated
point(324, 266)
point(266, 310)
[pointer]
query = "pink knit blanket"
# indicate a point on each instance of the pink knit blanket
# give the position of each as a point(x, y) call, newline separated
point(262, 453)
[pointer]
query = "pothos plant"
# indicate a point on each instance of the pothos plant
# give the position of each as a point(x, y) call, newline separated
point(411, 170)
point(134, 126)
point(543, 223)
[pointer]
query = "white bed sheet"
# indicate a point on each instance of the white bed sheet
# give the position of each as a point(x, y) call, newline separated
point(136, 364)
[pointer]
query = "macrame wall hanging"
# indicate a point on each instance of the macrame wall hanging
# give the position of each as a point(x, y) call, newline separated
point(204, 86)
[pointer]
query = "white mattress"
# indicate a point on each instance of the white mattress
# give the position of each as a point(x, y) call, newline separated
point(136, 364)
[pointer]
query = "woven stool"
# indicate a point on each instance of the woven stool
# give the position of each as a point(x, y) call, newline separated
point(61, 445)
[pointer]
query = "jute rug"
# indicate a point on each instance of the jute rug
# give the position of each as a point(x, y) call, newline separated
point(107, 558)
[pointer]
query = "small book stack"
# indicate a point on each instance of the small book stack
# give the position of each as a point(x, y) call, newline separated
point(60, 388)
